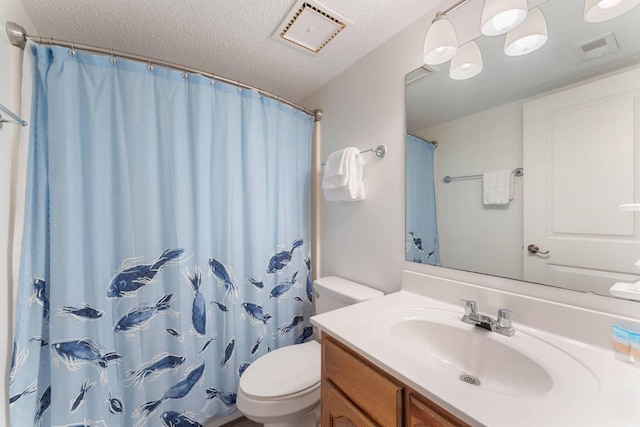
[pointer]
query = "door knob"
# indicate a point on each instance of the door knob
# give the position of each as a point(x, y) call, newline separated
point(534, 249)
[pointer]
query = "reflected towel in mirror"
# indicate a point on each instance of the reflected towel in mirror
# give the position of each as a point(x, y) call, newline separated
point(497, 187)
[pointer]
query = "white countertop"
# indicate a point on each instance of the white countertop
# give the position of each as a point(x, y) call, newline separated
point(606, 393)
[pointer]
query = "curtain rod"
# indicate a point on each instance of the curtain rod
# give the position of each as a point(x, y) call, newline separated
point(434, 143)
point(18, 37)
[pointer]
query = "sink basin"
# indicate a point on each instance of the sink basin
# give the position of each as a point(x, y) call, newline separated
point(521, 365)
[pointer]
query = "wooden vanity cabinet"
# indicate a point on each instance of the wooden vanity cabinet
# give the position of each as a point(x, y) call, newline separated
point(348, 377)
point(357, 393)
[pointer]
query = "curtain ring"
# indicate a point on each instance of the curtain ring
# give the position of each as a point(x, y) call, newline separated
point(184, 73)
point(51, 41)
point(112, 59)
point(72, 51)
point(150, 66)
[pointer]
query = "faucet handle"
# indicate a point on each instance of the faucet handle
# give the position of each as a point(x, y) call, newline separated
point(470, 307)
point(505, 317)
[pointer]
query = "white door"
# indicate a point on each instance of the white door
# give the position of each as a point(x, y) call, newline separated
point(582, 160)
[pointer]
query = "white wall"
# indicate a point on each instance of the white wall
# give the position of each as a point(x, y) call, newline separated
point(10, 10)
point(363, 107)
point(489, 140)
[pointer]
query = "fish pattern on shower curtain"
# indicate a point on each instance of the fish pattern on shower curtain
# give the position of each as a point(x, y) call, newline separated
point(201, 325)
point(132, 316)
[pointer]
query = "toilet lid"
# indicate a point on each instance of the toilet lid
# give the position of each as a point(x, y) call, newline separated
point(282, 372)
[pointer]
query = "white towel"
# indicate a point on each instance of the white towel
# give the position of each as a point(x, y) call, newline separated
point(497, 187)
point(355, 183)
point(342, 180)
point(335, 170)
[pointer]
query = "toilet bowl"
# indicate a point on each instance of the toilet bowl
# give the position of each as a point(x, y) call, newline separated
point(282, 388)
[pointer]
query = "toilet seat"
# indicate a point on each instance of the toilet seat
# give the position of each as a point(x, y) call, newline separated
point(284, 373)
point(284, 393)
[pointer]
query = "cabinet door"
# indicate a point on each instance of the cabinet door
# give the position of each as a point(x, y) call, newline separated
point(339, 411)
point(368, 388)
point(423, 413)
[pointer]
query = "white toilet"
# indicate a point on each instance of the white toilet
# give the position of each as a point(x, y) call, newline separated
point(282, 388)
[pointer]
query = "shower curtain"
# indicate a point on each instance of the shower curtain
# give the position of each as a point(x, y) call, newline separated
point(421, 221)
point(165, 246)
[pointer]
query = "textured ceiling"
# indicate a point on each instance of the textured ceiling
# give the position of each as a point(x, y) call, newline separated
point(231, 38)
point(437, 98)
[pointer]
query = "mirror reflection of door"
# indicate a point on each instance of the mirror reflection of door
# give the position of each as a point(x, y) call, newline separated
point(576, 143)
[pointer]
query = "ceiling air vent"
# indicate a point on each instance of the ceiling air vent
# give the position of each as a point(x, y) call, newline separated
point(597, 47)
point(309, 26)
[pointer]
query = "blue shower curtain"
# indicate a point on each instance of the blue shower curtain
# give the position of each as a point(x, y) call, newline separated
point(421, 221)
point(166, 243)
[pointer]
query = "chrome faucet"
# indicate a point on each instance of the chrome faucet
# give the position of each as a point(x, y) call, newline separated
point(501, 325)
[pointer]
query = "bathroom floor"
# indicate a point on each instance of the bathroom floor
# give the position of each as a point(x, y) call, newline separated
point(242, 422)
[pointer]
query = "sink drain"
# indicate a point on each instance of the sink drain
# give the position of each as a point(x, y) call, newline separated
point(470, 379)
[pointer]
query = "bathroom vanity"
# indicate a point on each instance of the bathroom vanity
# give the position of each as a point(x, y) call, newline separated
point(357, 393)
point(407, 359)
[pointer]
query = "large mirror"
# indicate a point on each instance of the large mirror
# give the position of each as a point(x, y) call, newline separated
point(520, 171)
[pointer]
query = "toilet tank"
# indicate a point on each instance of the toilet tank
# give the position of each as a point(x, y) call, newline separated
point(334, 292)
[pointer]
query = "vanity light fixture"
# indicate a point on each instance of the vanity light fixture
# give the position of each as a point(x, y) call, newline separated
point(500, 16)
point(528, 36)
point(603, 10)
point(441, 42)
point(526, 31)
point(467, 62)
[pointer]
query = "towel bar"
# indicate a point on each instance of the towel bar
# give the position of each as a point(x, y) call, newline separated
point(447, 179)
point(11, 114)
point(380, 150)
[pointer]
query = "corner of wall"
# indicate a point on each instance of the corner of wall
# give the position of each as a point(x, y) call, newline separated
point(365, 106)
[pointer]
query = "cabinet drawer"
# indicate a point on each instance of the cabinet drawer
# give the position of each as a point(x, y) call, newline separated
point(370, 389)
point(424, 413)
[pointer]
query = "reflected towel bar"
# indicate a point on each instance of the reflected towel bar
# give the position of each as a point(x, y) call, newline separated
point(447, 179)
point(380, 150)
